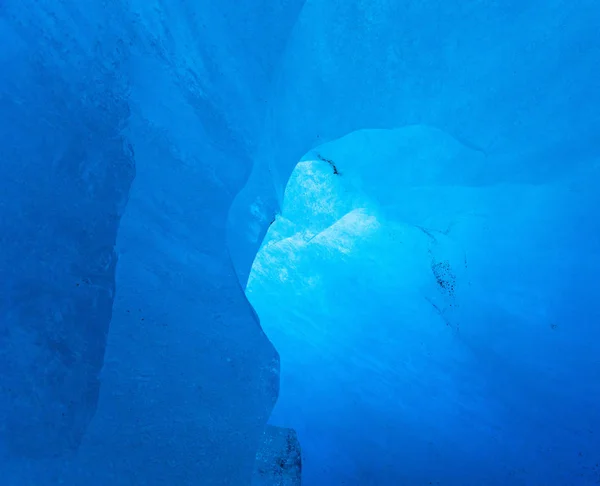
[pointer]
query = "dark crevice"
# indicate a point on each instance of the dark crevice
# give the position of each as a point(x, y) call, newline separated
point(330, 162)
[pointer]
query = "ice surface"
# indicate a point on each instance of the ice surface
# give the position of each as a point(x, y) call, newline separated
point(279, 459)
point(91, 95)
point(428, 318)
point(511, 79)
point(144, 150)
point(66, 170)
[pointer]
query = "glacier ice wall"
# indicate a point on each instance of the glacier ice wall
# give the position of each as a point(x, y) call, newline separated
point(512, 82)
point(513, 79)
point(129, 353)
point(433, 322)
point(92, 95)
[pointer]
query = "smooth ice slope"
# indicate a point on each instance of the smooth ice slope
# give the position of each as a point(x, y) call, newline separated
point(431, 316)
point(513, 82)
point(127, 128)
point(91, 95)
point(514, 79)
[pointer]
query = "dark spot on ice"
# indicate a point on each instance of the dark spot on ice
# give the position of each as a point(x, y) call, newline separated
point(444, 276)
point(330, 162)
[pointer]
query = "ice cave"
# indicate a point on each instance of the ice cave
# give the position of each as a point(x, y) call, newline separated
point(299, 242)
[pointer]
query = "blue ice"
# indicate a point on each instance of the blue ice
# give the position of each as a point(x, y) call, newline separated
point(373, 222)
point(419, 311)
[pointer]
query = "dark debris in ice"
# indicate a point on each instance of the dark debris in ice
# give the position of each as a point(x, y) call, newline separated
point(279, 459)
point(330, 162)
